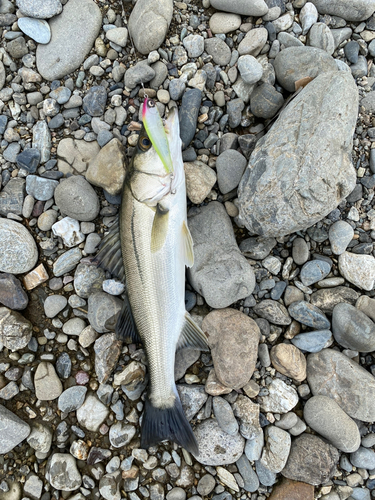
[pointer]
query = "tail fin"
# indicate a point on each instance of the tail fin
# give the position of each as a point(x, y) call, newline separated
point(167, 423)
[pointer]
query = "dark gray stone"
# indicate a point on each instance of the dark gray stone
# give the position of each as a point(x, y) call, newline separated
point(309, 315)
point(13, 430)
point(327, 298)
point(234, 110)
point(272, 311)
point(176, 89)
point(313, 341)
point(29, 159)
point(360, 68)
point(251, 481)
point(12, 294)
point(314, 271)
point(265, 101)
point(351, 50)
point(188, 115)
point(218, 49)
point(352, 328)
point(95, 100)
point(230, 166)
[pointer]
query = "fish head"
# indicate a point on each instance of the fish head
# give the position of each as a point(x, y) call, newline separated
point(157, 144)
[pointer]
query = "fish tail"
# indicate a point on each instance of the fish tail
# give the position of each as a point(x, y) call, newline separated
point(171, 423)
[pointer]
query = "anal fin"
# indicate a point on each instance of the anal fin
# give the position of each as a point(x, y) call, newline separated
point(192, 336)
point(125, 326)
point(187, 242)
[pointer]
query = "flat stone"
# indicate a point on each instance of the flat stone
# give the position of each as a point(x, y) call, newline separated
point(47, 384)
point(42, 139)
point(107, 169)
point(224, 416)
point(226, 331)
point(320, 36)
point(40, 9)
point(188, 115)
point(62, 472)
point(358, 269)
point(326, 417)
point(77, 199)
point(118, 35)
point(193, 397)
point(253, 42)
point(216, 447)
point(308, 16)
point(257, 248)
point(308, 315)
point(251, 481)
point(218, 49)
point(72, 398)
point(311, 460)
point(12, 197)
point(120, 434)
point(352, 328)
point(327, 298)
point(289, 360)
point(281, 398)
point(35, 277)
point(92, 413)
point(18, 251)
point(331, 373)
point(68, 48)
point(366, 305)
point(67, 261)
point(224, 23)
point(230, 166)
point(149, 23)
point(37, 29)
point(250, 69)
point(356, 10)
point(363, 458)
point(276, 450)
point(230, 278)
point(263, 206)
point(40, 188)
point(256, 8)
point(313, 341)
point(54, 304)
point(29, 159)
point(314, 271)
point(272, 311)
point(15, 330)
point(102, 307)
point(265, 101)
point(74, 155)
point(69, 230)
point(293, 490)
point(13, 430)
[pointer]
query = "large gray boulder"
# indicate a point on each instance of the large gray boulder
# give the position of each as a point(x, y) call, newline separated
point(301, 169)
point(149, 23)
point(350, 10)
point(221, 274)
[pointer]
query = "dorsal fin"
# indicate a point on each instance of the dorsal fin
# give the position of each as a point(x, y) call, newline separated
point(187, 245)
point(110, 255)
point(192, 336)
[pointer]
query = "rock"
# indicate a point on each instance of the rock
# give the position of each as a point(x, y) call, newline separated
point(68, 229)
point(265, 101)
point(200, 179)
point(308, 16)
point(47, 384)
point(253, 42)
point(140, 73)
point(327, 298)
point(35, 277)
point(232, 334)
point(47, 219)
point(88, 279)
point(12, 197)
point(266, 210)
point(230, 166)
point(54, 304)
point(149, 23)
point(17, 48)
point(314, 271)
point(320, 36)
point(102, 307)
point(74, 156)
point(224, 416)
point(40, 188)
point(363, 458)
point(313, 341)
point(281, 398)
point(68, 48)
point(331, 373)
point(309, 315)
point(62, 472)
point(29, 158)
point(18, 251)
point(251, 481)
point(118, 35)
point(192, 398)
point(352, 328)
point(188, 115)
point(294, 63)
point(95, 100)
point(230, 278)
point(77, 199)
point(121, 434)
point(13, 430)
point(107, 352)
point(194, 44)
point(357, 10)
point(257, 248)
point(40, 9)
point(256, 8)
point(234, 110)
point(218, 49)
point(272, 311)
point(12, 294)
point(92, 413)
point(311, 460)
point(276, 451)
point(358, 269)
point(250, 69)
point(248, 414)
point(42, 139)
point(37, 29)
point(293, 490)
point(216, 447)
point(326, 417)
point(67, 261)
point(340, 235)
point(289, 360)
point(266, 477)
point(366, 305)
point(300, 251)
point(224, 23)
point(72, 398)
point(107, 169)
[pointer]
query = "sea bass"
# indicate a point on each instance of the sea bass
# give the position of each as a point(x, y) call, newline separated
point(154, 247)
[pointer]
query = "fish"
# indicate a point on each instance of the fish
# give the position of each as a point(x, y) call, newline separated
point(149, 248)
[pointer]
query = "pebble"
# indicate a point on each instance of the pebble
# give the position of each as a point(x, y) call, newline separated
point(40, 9)
point(77, 199)
point(309, 315)
point(288, 360)
point(12, 294)
point(340, 235)
point(256, 8)
point(218, 49)
point(308, 16)
point(13, 430)
point(18, 251)
point(92, 413)
point(206, 484)
point(106, 170)
point(62, 472)
point(42, 140)
point(200, 179)
point(121, 434)
point(276, 450)
point(37, 29)
point(67, 262)
point(281, 397)
point(265, 101)
point(300, 251)
point(95, 100)
point(47, 384)
point(230, 166)
point(313, 341)
point(72, 399)
point(54, 304)
point(358, 269)
point(188, 115)
point(250, 69)
point(118, 35)
point(253, 42)
point(327, 298)
point(29, 159)
point(224, 416)
point(40, 188)
point(272, 311)
point(67, 48)
point(314, 271)
point(221, 22)
point(352, 328)
point(326, 417)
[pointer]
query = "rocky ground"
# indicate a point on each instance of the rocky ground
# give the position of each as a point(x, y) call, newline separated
point(283, 225)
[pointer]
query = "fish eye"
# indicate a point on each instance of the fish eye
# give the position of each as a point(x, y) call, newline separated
point(144, 143)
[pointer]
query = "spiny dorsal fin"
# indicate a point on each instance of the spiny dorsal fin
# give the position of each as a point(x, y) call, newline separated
point(110, 255)
point(187, 242)
point(159, 228)
point(192, 336)
point(125, 326)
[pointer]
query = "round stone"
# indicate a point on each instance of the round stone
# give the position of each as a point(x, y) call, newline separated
point(18, 251)
point(352, 328)
point(77, 199)
point(223, 22)
point(250, 69)
point(54, 304)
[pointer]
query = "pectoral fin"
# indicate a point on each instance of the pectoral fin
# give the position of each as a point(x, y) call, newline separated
point(187, 242)
point(159, 228)
point(192, 336)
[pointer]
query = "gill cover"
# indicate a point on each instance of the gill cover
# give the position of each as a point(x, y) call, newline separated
point(156, 133)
